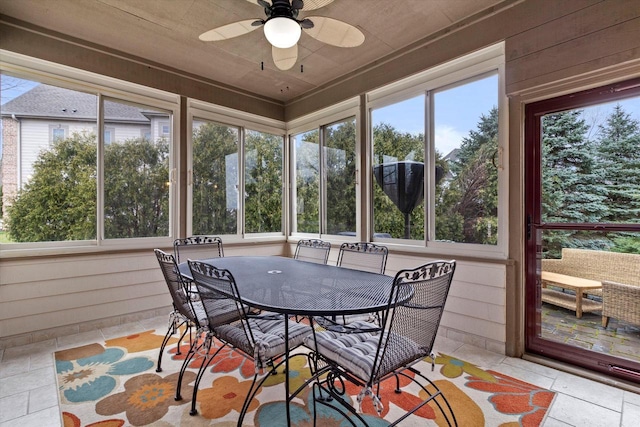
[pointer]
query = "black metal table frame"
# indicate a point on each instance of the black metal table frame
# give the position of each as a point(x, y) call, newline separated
point(274, 284)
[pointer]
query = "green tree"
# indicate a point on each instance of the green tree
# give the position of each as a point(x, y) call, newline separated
point(340, 161)
point(391, 145)
point(263, 182)
point(571, 188)
point(467, 208)
point(59, 202)
point(136, 192)
point(618, 143)
point(619, 151)
point(215, 179)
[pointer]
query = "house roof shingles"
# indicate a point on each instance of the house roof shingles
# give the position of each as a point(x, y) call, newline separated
point(45, 101)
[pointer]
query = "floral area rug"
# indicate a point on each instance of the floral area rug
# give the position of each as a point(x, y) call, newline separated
point(114, 383)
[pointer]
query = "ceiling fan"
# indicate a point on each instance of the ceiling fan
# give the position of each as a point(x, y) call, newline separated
point(282, 28)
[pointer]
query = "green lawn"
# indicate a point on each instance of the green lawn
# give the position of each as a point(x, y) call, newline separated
point(4, 237)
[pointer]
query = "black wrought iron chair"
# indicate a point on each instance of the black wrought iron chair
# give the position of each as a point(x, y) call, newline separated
point(259, 337)
point(313, 250)
point(363, 256)
point(367, 354)
point(366, 257)
point(198, 247)
point(185, 312)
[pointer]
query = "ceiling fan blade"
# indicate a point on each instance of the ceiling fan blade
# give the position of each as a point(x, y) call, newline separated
point(284, 59)
point(261, 3)
point(229, 31)
point(297, 4)
point(315, 4)
point(334, 32)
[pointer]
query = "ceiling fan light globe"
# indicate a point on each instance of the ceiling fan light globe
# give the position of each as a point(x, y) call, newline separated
point(282, 32)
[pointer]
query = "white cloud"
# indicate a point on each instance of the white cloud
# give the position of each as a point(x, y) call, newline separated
point(447, 138)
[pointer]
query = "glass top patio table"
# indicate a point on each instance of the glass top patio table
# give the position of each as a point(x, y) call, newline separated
point(294, 287)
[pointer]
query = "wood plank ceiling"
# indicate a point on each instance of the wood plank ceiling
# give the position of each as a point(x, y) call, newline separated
point(166, 32)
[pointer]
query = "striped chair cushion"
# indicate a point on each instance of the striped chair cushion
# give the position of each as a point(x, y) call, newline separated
point(356, 352)
point(268, 335)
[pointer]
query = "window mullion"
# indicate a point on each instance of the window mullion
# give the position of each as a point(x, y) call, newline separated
point(100, 171)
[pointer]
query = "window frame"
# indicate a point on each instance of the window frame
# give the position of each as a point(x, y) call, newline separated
point(229, 117)
point(46, 72)
point(319, 120)
point(463, 70)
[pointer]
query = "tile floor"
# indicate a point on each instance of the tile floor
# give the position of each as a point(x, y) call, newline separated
point(28, 395)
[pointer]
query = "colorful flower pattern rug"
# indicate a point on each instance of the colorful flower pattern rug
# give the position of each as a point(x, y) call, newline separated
point(114, 383)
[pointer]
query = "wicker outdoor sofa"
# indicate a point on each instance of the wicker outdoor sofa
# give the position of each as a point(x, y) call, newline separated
point(618, 272)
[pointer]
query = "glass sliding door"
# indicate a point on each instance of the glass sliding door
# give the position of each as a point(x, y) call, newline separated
point(583, 229)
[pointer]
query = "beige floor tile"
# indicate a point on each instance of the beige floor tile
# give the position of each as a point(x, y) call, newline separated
point(478, 356)
point(590, 391)
point(49, 417)
point(14, 406)
point(552, 422)
point(531, 366)
point(122, 330)
point(43, 398)
point(446, 345)
point(29, 349)
point(633, 398)
point(577, 412)
point(630, 415)
point(158, 322)
point(41, 360)
point(27, 381)
point(524, 375)
point(14, 367)
point(77, 340)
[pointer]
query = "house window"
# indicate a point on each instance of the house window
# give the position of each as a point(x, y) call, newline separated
point(117, 190)
point(58, 133)
point(437, 157)
point(108, 135)
point(324, 174)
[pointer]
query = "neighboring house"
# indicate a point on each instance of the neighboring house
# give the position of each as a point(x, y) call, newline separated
point(32, 121)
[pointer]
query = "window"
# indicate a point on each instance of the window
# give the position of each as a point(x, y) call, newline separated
point(437, 156)
point(215, 178)
point(136, 174)
point(108, 135)
point(398, 169)
point(236, 173)
point(58, 133)
point(324, 171)
point(263, 182)
point(59, 184)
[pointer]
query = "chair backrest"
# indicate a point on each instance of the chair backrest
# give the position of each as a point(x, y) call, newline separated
point(363, 256)
point(313, 250)
point(221, 300)
point(414, 323)
point(198, 247)
point(177, 288)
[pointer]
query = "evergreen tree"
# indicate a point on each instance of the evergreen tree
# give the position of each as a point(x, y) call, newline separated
point(571, 188)
point(340, 161)
point(467, 208)
point(619, 151)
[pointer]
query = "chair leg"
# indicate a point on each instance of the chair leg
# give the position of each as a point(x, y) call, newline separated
point(193, 349)
point(201, 371)
point(605, 321)
point(167, 337)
